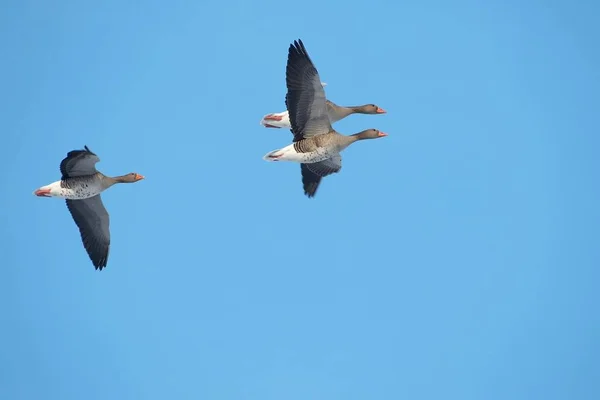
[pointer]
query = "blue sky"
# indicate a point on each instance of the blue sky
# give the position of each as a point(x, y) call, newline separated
point(456, 258)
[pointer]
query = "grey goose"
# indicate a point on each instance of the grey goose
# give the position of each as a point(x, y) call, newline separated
point(316, 145)
point(334, 112)
point(81, 185)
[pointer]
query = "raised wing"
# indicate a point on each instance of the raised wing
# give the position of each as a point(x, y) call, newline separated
point(93, 222)
point(305, 98)
point(79, 163)
point(313, 173)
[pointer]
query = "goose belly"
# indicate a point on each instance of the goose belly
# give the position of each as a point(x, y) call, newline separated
point(75, 191)
point(320, 154)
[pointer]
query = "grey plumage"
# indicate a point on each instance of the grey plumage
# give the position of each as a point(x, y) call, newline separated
point(90, 215)
point(313, 173)
point(78, 163)
point(80, 185)
point(308, 110)
point(305, 97)
point(310, 115)
point(93, 222)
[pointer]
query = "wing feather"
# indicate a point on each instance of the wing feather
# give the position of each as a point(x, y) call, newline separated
point(305, 98)
point(93, 222)
point(313, 173)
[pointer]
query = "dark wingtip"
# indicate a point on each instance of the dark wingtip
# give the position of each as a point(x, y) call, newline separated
point(301, 44)
point(310, 181)
point(310, 192)
point(310, 189)
point(298, 47)
point(99, 265)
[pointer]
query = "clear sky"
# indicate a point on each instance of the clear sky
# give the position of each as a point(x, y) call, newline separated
point(456, 258)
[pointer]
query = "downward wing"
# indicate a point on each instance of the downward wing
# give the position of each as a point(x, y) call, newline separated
point(93, 222)
point(313, 173)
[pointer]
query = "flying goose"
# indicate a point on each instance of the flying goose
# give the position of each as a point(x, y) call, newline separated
point(334, 112)
point(81, 185)
point(316, 145)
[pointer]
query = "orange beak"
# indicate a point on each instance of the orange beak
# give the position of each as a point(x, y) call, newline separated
point(382, 134)
point(380, 110)
point(138, 177)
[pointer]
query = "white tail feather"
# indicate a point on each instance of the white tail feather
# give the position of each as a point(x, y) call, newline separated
point(273, 155)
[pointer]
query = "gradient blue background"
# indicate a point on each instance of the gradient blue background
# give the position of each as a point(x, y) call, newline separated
point(455, 259)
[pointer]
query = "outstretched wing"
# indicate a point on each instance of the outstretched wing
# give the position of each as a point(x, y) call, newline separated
point(305, 98)
point(313, 173)
point(78, 163)
point(92, 219)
